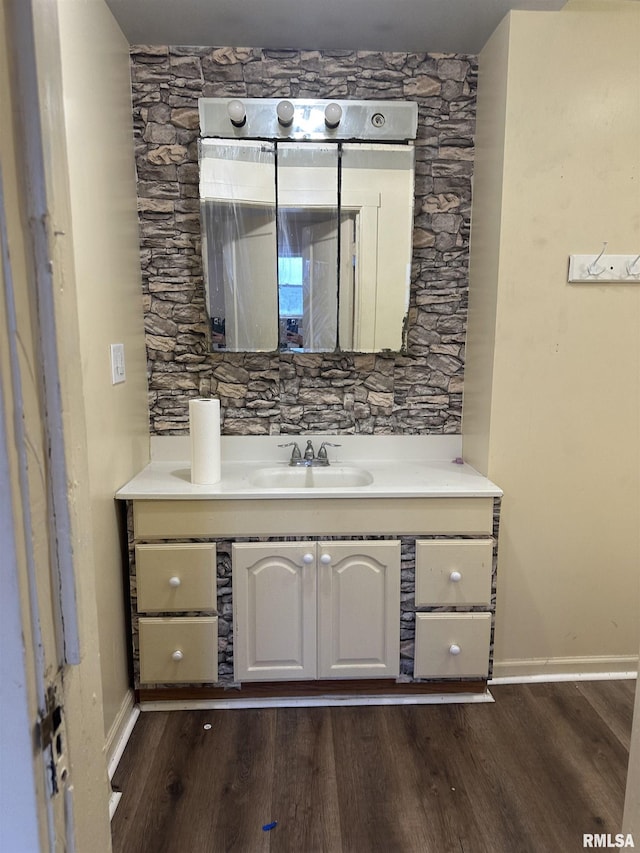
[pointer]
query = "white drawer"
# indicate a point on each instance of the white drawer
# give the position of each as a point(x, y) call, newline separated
point(176, 577)
point(178, 649)
point(453, 571)
point(452, 645)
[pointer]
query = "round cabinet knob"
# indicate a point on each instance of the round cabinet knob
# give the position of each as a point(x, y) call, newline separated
point(177, 655)
point(308, 558)
point(454, 649)
point(325, 559)
point(455, 577)
point(174, 581)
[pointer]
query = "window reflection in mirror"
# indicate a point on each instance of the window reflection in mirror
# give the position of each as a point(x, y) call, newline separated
point(307, 215)
point(306, 246)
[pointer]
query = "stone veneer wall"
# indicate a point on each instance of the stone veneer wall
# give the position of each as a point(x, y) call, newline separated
point(417, 392)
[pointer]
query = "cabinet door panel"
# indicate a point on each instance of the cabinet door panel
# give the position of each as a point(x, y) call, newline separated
point(274, 610)
point(359, 609)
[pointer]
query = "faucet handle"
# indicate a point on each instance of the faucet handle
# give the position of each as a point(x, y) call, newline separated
point(295, 453)
point(322, 453)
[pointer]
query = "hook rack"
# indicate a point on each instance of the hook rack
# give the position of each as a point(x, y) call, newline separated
point(604, 268)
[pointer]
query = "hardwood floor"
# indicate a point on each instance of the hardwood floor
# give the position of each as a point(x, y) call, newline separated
point(532, 772)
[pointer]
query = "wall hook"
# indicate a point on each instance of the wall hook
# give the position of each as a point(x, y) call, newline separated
point(632, 266)
point(593, 268)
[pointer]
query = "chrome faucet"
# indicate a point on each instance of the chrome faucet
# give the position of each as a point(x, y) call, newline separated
point(309, 458)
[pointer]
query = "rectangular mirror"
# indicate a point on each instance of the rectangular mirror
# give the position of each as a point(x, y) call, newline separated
point(376, 209)
point(306, 245)
point(240, 261)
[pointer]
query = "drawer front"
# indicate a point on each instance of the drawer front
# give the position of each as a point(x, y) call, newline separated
point(154, 519)
point(452, 645)
point(176, 577)
point(178, 649)
point(456, 572)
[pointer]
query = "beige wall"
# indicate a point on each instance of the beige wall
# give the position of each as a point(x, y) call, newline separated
point(99, 137)
point(558, 166)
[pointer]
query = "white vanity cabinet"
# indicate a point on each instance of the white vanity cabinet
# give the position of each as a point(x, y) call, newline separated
point(375, 589)
point(310, 610)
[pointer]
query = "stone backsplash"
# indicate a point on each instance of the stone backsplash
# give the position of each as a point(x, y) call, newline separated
point(416, 392)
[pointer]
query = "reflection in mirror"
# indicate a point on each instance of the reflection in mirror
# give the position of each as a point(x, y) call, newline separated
point(238, 209)
point(376, 210)
point(306, 246)
point(307, 180)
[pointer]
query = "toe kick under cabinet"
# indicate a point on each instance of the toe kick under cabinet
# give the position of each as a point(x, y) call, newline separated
point(228, 592)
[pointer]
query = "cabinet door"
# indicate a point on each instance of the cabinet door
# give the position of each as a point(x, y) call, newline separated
point(274, 611)
point(359, 609)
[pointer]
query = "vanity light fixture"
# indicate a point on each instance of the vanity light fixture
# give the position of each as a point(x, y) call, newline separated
point(308, 119)
point(285, 112)
point(332, 115)
point(237, 113)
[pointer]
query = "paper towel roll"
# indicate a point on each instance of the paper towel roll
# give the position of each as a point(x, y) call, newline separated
point(204, 427)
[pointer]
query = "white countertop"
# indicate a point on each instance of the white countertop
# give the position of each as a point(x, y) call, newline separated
point(401, 466)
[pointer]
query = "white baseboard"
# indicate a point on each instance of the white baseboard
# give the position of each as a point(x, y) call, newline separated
point(318, 701)
point(114, 802)
point(120, 732)
point(564, 669)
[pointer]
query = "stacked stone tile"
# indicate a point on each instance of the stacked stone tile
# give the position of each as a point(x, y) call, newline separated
point(418, 391)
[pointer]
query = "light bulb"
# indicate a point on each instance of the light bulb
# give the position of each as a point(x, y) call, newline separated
point(285, 113)
point(332, 115)
point(237, 113)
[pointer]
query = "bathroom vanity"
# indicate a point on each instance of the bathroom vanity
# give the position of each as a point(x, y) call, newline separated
point(376, 572)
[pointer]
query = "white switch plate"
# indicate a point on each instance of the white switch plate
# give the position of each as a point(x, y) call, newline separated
point(118, 373)
point(607, 268)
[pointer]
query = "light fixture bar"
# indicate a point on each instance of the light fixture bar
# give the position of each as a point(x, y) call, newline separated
point(308, 119)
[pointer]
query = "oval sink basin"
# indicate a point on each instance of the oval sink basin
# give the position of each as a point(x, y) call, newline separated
point(332, 477)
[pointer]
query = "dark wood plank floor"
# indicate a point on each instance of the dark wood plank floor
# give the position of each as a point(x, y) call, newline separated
point(532, 772)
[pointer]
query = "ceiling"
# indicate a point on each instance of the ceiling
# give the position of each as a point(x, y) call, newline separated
point(433, 26)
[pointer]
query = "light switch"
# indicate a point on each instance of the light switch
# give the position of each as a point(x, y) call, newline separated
point(118, 373)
